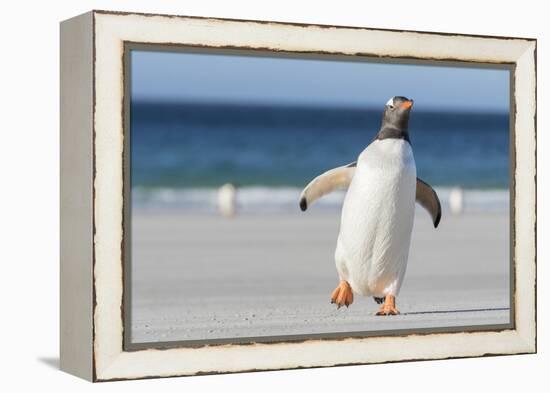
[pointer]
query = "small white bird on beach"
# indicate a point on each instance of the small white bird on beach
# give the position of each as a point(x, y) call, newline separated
point(456, 200)
point(227, 200)
point(378, 211)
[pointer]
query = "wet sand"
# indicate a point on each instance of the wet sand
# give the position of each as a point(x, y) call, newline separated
point(197, 277)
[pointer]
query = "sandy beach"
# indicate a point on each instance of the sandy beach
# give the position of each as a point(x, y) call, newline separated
point(199, 276)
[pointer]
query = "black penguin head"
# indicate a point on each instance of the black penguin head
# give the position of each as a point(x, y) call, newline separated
point(396, 113)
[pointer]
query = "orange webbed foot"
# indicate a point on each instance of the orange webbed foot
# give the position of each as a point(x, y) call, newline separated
point(388, 307)
point(342, 295)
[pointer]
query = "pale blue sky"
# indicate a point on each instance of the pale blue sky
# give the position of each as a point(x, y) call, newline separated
point(177, 76)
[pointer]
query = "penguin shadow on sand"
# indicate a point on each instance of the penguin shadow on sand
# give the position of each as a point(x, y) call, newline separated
point(457, 311)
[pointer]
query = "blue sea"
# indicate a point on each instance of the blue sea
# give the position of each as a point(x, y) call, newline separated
point(181, 153)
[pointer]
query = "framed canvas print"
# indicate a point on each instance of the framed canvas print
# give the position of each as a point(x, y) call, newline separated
point(246, 195)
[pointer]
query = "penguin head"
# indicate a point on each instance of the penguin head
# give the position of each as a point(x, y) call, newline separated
point(396, 113)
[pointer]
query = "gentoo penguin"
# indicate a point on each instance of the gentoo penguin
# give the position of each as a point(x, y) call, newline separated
point(227, 200)
point(378, 211)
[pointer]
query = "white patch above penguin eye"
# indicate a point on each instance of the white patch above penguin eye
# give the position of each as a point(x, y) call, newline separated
point(390, 103)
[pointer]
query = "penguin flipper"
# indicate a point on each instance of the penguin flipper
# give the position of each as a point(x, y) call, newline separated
point(325, 183)
point(428, 199)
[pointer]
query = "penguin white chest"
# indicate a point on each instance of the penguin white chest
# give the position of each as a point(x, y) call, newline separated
point(377, 219)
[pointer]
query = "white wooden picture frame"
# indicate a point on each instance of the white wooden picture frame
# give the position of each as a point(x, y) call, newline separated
point(93, 179)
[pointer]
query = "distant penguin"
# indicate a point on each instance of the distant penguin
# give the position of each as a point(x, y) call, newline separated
point(378, 211)
point(456, 200)
point(227, 200)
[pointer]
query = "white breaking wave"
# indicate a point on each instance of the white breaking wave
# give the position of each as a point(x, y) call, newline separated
point(286, 199)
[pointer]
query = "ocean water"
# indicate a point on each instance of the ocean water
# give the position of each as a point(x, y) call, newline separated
point(181, 153)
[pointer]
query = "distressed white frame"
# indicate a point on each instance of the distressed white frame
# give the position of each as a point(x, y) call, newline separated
point(109, 361)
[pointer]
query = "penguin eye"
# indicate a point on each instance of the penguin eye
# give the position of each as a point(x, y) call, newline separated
point(391, 106)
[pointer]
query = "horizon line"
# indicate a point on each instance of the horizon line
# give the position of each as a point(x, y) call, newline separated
point(312, 105)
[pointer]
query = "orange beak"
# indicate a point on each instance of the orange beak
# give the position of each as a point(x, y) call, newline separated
point(407, 104)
